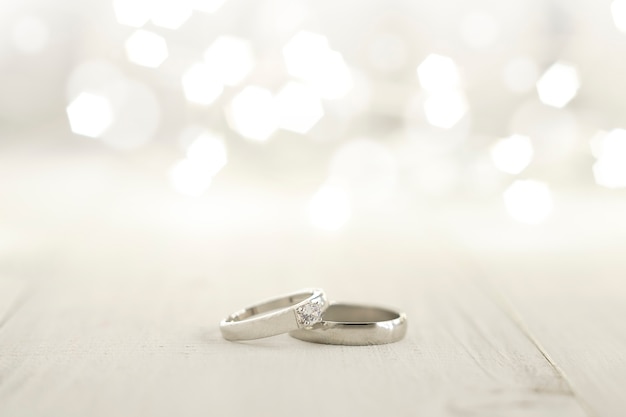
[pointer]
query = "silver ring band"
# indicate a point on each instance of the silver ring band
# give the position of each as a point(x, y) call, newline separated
point(276, 316)
point(355, 325)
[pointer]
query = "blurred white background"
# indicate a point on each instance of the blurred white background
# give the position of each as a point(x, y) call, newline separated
point(500, 123)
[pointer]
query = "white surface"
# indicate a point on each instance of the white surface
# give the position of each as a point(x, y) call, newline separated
point(111, 291)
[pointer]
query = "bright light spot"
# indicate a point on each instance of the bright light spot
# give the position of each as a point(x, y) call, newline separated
point(528, 201)
point(388, 53)
point(329, 208)
point(613, 143)
point(134, 107)
point(252, 113)
point(366, 169)
point(146, 49)
point(444, 104)
point(334, 78)
point(609, 174)
point(200, 86)
point(426, 138)
point(558, 85)
point(189, 179)
point(520, 74)
point(133, 13)
point(299, 108)
point(308, 57)
point(444, 109)
point(479, 30)
point(618, 10)
point(208, 154)
point(89, 115)
point(596, 143)
point(208, 6)
point(136, 112)
point(170, 14)
point(230, 59)
point(30, 35)
point(513, 154)
point(438, 73)
point(303, 54)
point(610, 168)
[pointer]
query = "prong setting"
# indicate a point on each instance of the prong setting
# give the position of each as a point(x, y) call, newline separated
point(311, 312)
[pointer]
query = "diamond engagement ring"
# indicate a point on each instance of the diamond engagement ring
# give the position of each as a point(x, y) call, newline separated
point(278, 315)
point(353, 324)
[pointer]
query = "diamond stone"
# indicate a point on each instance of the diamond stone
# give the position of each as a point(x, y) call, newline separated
point(310, 313)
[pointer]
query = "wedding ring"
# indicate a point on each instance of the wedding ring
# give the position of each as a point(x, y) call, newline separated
point(356, 325)
point(275, 316)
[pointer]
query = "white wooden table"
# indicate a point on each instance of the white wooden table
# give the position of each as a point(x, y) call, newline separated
point(111, 290)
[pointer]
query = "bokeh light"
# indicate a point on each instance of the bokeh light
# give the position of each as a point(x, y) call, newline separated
point(208, 153)
point(146, 49)
point(618, 11)
point(162, 159)
point(444, 104)
point(438, 73)
point(596, 143)
point(199, 85)
point(610, 168)
point(134, 107)
point(558, 85)
point(449, 112)
point(208, 6)
point(134, 13)
point(334, 79)
point(329, 208)
point(309, 58)
point(229, 59)
point(444, 109)
point(89, 115)
point(303, 53)
point(252, 113)
point(528, 201)
point(170, 14)
point(299, 107)
point(513, 154)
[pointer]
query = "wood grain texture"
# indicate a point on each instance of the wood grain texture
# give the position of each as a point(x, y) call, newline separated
point(117, 329)
point(577, 317)
point(111, 291)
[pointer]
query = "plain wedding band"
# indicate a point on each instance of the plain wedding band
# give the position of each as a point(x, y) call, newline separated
point(355, 325)
point(275, 316)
